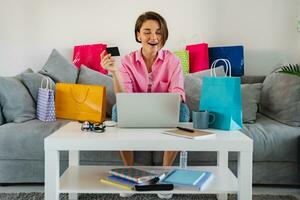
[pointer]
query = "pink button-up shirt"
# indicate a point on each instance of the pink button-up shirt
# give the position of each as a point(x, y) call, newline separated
point(166, 75)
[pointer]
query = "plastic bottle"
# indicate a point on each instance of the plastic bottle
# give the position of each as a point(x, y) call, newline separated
point(183, 159)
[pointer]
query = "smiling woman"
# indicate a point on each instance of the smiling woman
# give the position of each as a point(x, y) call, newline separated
point(149, 69)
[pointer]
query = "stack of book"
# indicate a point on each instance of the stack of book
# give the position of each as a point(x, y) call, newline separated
point(141, 180)
point(128, 178)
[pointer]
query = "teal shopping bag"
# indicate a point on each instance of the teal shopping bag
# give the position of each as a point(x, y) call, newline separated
point(222, 97)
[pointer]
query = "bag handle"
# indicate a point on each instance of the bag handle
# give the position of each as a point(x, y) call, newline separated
point(48, 83)
point(213, 67)
point(74, 96)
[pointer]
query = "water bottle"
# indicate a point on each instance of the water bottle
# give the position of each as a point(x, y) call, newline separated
point(183, 159)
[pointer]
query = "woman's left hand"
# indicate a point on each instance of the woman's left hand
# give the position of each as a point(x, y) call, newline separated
point(107, 62)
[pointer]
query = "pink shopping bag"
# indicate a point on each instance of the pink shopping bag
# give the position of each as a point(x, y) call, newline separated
point(198, 55)
point(89, 55)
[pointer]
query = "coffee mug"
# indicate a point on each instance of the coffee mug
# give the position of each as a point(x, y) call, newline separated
point(202, 119)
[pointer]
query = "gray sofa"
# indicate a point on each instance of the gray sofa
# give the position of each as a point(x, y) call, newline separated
point(276, 144)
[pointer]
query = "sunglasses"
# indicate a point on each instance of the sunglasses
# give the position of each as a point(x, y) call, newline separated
point(91, 127)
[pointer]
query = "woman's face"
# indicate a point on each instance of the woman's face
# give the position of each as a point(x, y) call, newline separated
point(150, 36)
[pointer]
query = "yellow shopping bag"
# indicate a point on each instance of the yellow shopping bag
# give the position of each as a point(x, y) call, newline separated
point(80, 102)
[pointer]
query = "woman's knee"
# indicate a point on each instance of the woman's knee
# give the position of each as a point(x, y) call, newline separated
point(114, 114)
point(184, 115)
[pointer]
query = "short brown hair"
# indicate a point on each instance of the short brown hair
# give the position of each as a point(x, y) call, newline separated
point(150, 15)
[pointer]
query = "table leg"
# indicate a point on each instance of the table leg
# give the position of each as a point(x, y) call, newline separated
point(222, 161)
point(245, 175)
point(51, 175)
point(73, 161)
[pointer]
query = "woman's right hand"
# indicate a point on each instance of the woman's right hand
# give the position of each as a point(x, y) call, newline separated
point(107, 62)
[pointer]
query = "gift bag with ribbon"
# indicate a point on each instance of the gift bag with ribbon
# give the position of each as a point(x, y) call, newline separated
point(222, 97)
point(80, 102)
point(45, 102)
point(198, 57)
point(89, 55)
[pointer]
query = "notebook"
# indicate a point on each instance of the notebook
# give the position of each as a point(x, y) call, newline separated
point(132, 174)
point(148, 110)
point(197, 134)
point(119, 182)
point(204, 181)
point(187, 177)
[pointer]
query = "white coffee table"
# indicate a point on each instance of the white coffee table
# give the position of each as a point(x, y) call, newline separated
point(86, 179)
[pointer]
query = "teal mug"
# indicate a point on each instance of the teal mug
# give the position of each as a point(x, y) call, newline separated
point(202, 119)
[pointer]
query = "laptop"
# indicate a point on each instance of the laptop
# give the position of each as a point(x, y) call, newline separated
point(148, 110)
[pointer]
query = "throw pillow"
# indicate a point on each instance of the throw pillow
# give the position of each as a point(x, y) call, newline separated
point(33, 82)
point(29, 70)
point(89, 76)
point(280, 98)
point(17, 104)
point(193, 85)
point(59, 69)
point(250, 100)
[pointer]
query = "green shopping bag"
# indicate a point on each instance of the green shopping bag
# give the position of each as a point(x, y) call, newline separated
point(222, 97)
point(184, 58)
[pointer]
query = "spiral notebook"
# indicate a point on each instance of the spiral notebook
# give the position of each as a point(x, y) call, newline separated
point(133, 174)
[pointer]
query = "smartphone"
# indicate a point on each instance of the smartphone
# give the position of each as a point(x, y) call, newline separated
point(113, 51)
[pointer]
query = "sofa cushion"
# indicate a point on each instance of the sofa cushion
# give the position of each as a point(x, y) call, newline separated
point(114, 158)
point(32, 81)
point(89, 76)
point(26, 140)
point(59, 69)
point(250, 100)
point(280, 98)
point(272, 140)
point(17, 104)
point(2, 120)
point(193, 85)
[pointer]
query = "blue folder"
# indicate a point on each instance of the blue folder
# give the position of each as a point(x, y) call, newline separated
point(195, 178)
point(204, 180)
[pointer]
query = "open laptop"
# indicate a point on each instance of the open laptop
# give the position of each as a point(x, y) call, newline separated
point(148, 110)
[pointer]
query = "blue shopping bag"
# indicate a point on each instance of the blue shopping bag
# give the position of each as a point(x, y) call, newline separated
point(235, 55)
point(222, 97)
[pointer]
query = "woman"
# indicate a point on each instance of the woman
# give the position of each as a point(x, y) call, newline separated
point(149, 69)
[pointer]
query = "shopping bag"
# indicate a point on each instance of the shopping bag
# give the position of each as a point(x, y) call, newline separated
point(198, 57)
point(45, 110)
point(80, 102)
point(89, 55)
point(222, 97)
point(235, 55)
point(184, 58)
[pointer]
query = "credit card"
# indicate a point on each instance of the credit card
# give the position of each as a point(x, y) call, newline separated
point(113, 51)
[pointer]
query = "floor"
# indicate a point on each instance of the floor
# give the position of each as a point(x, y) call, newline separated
point(256, 190)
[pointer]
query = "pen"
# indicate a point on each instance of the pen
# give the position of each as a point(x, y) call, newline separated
point(185, 129)
point(156, 179)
